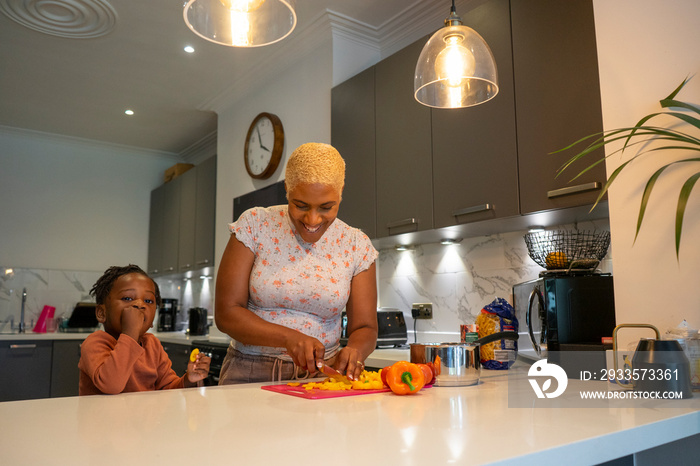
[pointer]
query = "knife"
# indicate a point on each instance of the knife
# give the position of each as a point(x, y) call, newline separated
point(332, 373)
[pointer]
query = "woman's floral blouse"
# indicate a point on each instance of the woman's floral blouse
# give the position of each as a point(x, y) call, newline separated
point(300, 285)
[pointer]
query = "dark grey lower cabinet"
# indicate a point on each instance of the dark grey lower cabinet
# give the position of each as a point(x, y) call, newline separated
point(64, 368)
point(25, 369)
point(179, 355)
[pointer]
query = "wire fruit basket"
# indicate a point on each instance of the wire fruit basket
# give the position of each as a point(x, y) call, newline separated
point(567, 249)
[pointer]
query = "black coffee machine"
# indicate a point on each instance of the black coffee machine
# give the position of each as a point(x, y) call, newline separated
point(167, 315)
point(198, 321)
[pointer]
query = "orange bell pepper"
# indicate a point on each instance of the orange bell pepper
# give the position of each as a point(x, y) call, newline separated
point(427, 373)
point(405, 378)
point(383, 374)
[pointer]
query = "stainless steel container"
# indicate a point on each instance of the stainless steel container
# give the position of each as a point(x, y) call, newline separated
point(456, 364)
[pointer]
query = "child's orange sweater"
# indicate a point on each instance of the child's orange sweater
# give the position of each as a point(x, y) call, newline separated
point(110, 366)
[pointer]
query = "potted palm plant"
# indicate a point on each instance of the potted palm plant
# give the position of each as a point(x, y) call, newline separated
point(641, 135)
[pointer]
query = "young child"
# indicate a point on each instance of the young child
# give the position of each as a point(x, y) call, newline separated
point(123, 357)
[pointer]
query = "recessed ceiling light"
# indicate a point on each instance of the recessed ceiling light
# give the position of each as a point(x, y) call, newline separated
point(189, 49)
point(129, 112)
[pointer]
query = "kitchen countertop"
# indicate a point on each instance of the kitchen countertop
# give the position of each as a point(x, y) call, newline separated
point(166, 337)
point(243, 424)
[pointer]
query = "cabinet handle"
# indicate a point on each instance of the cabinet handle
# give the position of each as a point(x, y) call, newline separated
point(27, 346)
point(472, 210)
point(186, 266)
point(205, 261)
point(153, 271)
point(401, 223)
point(573, 189)
point(170, 269)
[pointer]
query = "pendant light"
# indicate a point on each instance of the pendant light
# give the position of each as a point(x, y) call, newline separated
point(456, 68)
point(241, 23)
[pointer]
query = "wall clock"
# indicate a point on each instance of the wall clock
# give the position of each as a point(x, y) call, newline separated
point(263, 146)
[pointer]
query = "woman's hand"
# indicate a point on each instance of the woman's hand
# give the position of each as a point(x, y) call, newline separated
point(304, 350)
point(351, 361)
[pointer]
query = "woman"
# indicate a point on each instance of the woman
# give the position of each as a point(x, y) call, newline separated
point(286, 275)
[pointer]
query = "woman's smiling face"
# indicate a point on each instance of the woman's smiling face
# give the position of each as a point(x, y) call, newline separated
point(312, 209)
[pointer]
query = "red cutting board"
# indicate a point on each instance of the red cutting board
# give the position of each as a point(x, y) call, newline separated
point(318, 394)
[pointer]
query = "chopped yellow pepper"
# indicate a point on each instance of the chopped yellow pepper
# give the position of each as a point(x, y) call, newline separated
point(368, 380)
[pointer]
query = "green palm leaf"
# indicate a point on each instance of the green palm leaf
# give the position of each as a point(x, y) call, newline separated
point(640, 135)
point(680, 210)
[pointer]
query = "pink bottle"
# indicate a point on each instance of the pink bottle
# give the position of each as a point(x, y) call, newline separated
point(46, 313)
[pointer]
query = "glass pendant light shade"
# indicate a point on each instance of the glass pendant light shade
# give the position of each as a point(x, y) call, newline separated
point(455, 69)
point(241, 23)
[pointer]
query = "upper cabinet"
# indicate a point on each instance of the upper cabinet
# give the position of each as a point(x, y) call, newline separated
point(181, 235)
point(353, 134)
point(403, 147)
point(412, 168)
point(557, 99)
point(475, 165)
point(205, 214)
point(186, 228)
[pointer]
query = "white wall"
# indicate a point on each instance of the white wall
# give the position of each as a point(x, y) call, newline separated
point(645, 49)
point(301, 98)
point(74, 204)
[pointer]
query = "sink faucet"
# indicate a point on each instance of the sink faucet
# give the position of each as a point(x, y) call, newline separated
point(21, 315)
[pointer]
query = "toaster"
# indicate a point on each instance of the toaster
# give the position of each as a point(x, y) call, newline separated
point(391, 327)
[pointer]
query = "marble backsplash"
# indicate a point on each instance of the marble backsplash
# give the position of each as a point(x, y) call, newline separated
point(63, 289)
point(460, 279)
point(59, 288)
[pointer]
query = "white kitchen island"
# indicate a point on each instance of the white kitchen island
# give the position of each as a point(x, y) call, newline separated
point(246, 425)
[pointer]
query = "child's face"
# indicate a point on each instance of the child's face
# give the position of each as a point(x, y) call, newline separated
point(132, 294)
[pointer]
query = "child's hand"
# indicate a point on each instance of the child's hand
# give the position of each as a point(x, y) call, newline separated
point(132, 319)
point(199, 369)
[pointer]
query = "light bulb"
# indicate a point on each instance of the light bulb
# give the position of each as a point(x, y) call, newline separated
point(240, 19)
point(455, 62)
point(242, 6)
point(240, 27)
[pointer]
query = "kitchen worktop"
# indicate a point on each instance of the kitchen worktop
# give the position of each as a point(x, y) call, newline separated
point(166, 337)
point(243, 424)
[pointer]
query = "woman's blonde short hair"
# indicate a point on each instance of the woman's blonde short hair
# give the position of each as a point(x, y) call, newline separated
point(315, 162)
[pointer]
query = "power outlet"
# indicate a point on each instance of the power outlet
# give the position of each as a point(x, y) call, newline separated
point(422, 311)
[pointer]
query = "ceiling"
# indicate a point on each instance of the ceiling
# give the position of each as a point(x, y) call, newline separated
point(80, 87)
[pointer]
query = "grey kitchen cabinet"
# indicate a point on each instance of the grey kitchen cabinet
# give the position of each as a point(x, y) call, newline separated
point(179, 355)
point(186, 227)
point(474, 149)
point(25, 369)
point(171, 224)
point(155, 232)
point(205, 214)
point(353, 134)
point(557, 99)
point(403, 147)
point(65, 374)
point(436, 168)
point(181, 228)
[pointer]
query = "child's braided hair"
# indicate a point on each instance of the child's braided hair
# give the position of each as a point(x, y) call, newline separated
point(103, 286)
